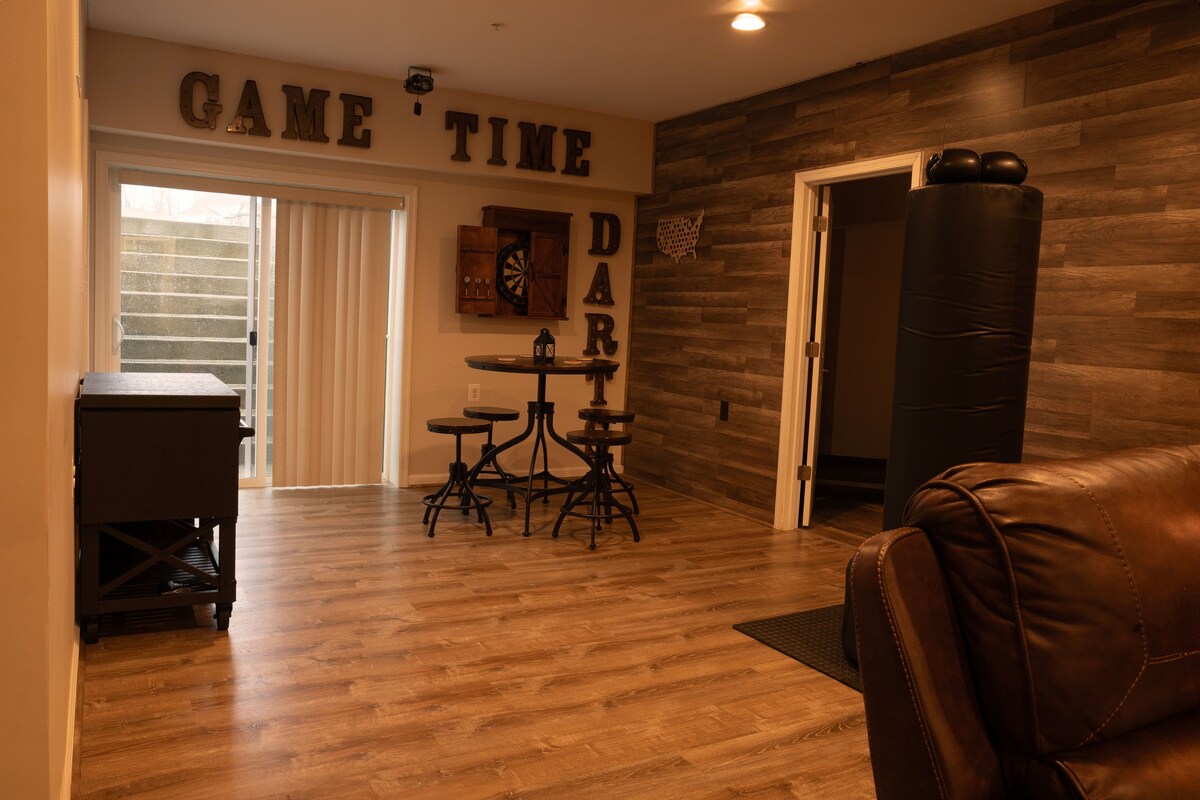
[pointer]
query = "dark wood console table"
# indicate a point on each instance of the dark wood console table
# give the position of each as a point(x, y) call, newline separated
point(156, 459)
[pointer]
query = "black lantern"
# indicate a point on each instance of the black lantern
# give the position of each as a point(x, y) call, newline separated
point(543, 348)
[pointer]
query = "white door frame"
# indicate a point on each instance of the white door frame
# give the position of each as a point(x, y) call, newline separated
point(794, 403)
point(813, 363)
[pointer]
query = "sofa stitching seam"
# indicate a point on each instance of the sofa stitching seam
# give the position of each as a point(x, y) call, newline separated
point(1137, 602)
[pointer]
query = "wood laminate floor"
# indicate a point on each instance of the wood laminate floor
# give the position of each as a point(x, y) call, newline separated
point(366, 660)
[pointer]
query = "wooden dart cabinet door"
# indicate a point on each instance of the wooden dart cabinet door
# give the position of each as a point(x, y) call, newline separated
point(548, 287)
point(475, 274)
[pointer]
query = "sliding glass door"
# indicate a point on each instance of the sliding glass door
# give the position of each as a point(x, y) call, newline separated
point(195, 287)
point(184, 280)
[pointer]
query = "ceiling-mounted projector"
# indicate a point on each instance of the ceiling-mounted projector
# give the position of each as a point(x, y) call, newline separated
point(419, 82)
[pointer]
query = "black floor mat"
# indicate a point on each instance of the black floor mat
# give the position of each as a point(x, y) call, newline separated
point(811, 637)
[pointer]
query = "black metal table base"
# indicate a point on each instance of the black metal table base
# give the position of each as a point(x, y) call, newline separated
point(540, 425)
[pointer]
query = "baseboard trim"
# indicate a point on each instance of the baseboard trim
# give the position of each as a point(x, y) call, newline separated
point(70, 777)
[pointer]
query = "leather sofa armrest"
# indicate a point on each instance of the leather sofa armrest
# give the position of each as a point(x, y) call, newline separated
point(924, 727)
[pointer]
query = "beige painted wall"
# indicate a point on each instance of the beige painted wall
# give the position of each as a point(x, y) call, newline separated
point(447, 194)
point(134, 86)
point(41, 328)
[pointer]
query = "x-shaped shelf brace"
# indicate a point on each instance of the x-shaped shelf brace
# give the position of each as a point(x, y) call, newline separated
point(165, 555)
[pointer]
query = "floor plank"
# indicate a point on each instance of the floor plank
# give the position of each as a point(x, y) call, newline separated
point(367, 660)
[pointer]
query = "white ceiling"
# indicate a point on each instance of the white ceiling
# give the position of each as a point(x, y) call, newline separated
point(646, 59)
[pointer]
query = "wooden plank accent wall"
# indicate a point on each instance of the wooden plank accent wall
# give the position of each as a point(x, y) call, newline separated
point(1101, 98)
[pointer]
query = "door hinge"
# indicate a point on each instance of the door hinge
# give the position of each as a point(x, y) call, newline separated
point(804, 473)
point(820, 224)
point(812, 349)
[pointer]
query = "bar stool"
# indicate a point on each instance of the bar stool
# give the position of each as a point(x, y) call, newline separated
point(594, 491)
point(488, 465)
point(605, 417)
point(456, 485)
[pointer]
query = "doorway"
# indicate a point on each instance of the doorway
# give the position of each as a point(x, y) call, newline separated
point(847, 250)
point(866, 252)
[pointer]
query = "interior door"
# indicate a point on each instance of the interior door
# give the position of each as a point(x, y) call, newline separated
point(812, 352)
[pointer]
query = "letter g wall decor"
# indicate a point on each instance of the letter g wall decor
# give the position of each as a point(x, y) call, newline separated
point(304, 116)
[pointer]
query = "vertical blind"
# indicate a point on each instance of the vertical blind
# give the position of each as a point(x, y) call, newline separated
point(331, 295)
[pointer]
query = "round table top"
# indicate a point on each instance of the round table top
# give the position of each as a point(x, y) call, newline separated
point(562, 365)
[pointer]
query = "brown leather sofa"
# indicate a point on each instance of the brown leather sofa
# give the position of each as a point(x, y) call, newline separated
point(1034, 632)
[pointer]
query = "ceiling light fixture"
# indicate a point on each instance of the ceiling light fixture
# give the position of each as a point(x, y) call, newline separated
point(748, 22)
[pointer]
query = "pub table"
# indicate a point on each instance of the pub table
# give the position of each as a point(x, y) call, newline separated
point(540, 422)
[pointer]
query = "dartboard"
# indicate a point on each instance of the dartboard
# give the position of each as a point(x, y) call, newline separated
point(512, 273)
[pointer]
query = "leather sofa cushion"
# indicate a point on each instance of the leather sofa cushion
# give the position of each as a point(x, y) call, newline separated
point(1153, 763)
point(1077, 586)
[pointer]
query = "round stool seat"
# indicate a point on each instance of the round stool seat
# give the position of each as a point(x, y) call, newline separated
point(600, 438)
point(606, 416)
point(491, 413)
point(457, 425)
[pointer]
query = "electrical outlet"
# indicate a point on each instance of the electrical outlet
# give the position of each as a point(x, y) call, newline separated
point(472, 392)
